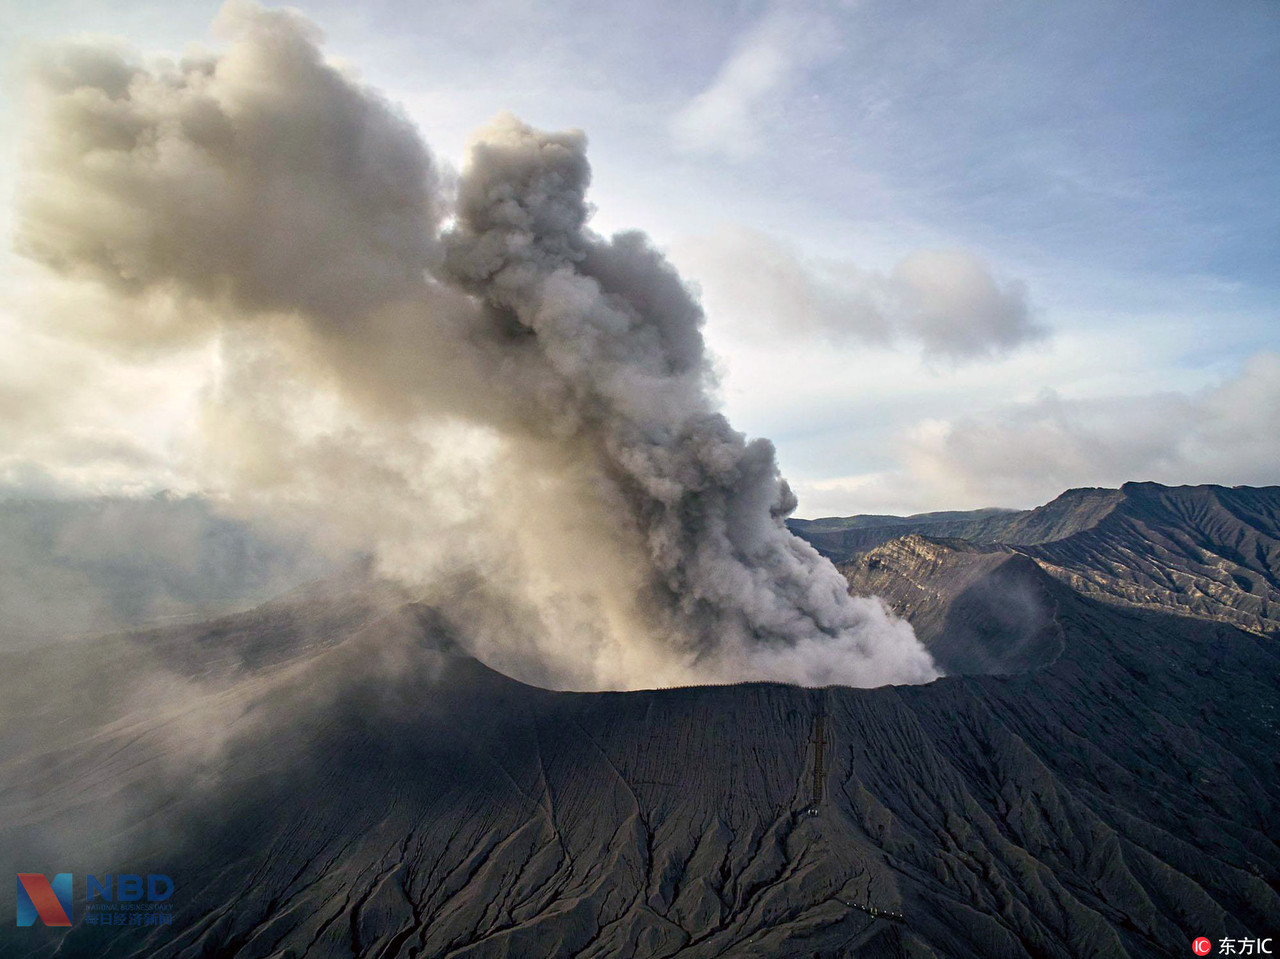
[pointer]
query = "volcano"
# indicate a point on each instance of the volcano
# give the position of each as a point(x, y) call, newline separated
point(331, 774)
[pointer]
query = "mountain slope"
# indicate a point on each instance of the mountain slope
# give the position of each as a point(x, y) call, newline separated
point(1207, 551)
point(978, 609)
point(383, 794)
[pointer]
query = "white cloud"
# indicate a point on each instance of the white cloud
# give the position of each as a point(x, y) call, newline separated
point(947, 301)
point(1024, 454)
point(728, 118)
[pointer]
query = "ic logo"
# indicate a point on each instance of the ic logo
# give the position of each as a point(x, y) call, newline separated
point(1201, 946)
point(51, 901)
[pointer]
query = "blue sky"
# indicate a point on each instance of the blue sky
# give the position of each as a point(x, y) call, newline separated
point(1108, 172)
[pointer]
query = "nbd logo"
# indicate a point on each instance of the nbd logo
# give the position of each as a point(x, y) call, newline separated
point(113, 899)
point(128, 888)
point(51, 901)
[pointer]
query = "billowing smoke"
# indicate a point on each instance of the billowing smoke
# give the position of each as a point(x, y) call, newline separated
point(262, 198)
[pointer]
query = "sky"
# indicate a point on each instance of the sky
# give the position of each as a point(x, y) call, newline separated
point(951, 255)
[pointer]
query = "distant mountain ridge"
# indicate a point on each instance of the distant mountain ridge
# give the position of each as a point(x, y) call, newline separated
point(1207, 551)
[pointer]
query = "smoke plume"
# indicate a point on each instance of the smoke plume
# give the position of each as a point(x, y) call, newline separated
point(266, 200)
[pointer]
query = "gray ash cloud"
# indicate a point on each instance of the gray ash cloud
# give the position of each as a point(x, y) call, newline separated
point(262, 195)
